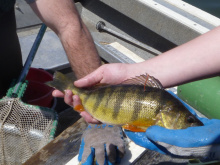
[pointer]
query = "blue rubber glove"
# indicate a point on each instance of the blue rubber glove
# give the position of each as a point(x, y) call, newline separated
point(194, 142)
point(104, 143)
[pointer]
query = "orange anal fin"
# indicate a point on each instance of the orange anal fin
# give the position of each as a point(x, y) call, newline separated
point(133, 128)
point(79, 108)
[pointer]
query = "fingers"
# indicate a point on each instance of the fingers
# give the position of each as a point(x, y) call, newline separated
point(57, 93)
point(87, 157)
point(180, 137)
point(91, 79)
point(76, 100)
point(73, 101)
point(152, 134)
point(88, 118)
point(100, 154)
point(68, 97)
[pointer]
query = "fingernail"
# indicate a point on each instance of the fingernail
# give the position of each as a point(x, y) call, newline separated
point(67, 92)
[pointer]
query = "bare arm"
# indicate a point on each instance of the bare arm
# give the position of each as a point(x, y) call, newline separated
point(62, 17)
point(197, 59)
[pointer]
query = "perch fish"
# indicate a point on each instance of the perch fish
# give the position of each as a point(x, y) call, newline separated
point(135, 104)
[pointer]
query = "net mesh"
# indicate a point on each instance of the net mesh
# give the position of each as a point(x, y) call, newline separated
point(24, 129)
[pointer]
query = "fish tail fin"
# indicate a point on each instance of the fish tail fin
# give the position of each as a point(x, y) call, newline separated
point(62, 82)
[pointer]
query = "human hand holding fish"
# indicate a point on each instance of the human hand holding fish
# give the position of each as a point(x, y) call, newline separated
point(74, 101)
point(194, 142)
point(144, 137)
point(201, 142)
point(135, 104)
point(102, 75)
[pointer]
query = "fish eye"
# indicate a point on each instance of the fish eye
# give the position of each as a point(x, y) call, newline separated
point(191, 119)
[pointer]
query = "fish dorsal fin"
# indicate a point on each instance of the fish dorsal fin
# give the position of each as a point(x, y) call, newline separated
point(145, 80)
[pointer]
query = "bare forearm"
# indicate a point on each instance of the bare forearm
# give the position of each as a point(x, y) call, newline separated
point(62, 17)
point(197, 59)
point(81, 51)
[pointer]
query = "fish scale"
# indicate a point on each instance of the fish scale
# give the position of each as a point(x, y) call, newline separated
point(133, 106)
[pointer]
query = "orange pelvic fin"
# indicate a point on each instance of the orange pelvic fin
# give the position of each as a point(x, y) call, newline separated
point(79, 108)
point(133, 128)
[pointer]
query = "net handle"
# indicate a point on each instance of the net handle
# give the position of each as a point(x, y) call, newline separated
point(29, 60)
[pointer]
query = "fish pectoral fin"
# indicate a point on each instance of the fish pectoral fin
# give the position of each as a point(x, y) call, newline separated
point(139, 126)
point(133, 128)
point(159, 120)
point(79, 108)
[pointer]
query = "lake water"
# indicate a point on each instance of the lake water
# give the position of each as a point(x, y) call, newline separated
point(210, 6)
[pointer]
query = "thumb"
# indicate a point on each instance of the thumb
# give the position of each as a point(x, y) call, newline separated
point(91, 79)
point(157, 133)
point(189, 137)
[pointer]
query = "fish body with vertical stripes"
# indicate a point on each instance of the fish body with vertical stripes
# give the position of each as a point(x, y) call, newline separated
point(135, 105)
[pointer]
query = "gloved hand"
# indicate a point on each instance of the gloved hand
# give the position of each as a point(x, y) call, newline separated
point(104, 142)
point(194, 142)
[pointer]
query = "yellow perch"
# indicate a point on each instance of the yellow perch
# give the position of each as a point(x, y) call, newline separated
point(131, 104)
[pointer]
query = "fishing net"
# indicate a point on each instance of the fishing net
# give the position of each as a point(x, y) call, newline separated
point(24, 129)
